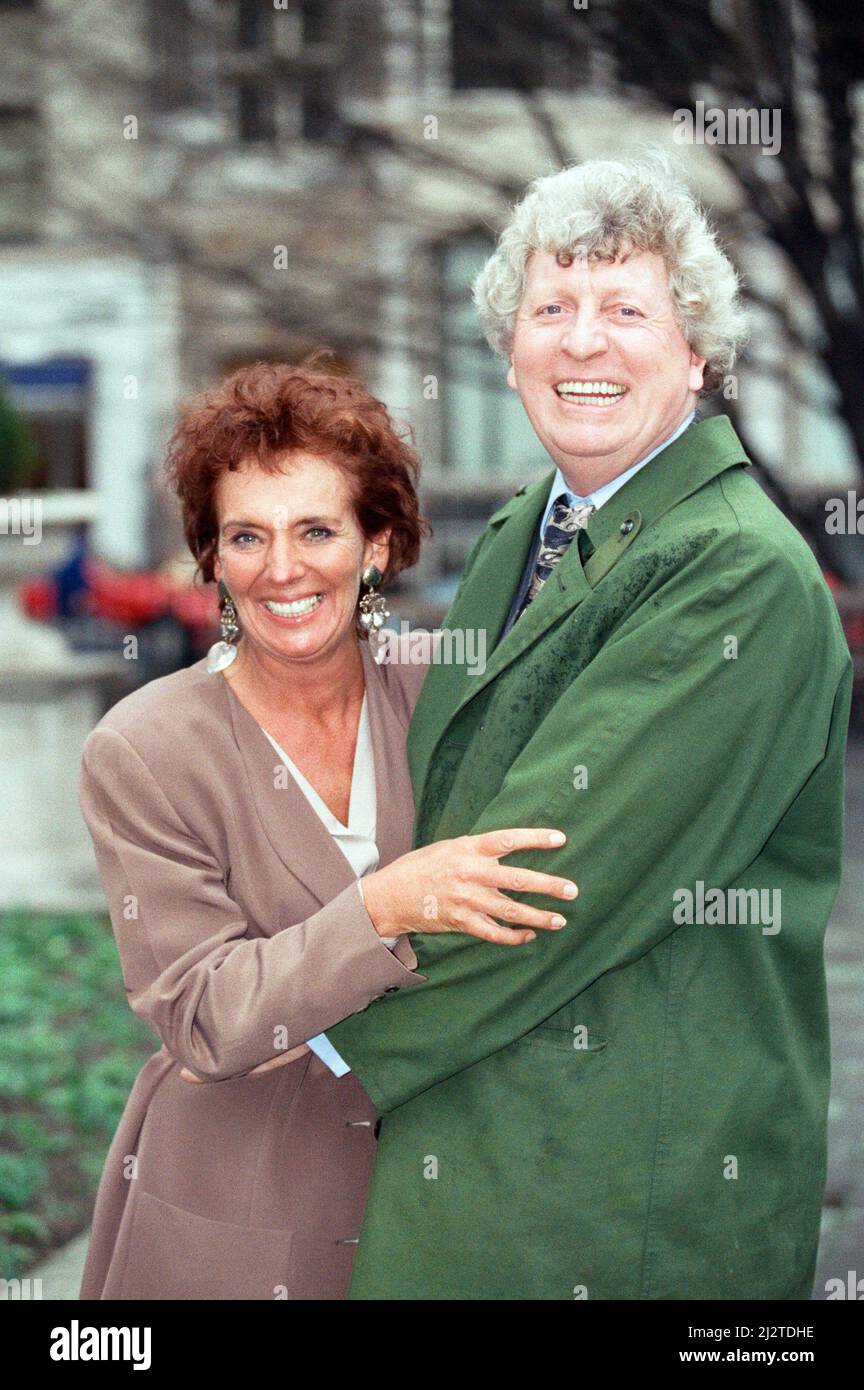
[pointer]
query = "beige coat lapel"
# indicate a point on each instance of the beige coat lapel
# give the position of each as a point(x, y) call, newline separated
point(392, 778)
point(295, 831)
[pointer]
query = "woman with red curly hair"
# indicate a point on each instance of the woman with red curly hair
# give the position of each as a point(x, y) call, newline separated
point(252, 822)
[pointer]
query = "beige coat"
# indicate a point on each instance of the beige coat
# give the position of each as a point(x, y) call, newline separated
point(241, 932)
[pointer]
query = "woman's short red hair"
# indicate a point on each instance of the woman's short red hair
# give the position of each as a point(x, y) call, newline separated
point(261, 411)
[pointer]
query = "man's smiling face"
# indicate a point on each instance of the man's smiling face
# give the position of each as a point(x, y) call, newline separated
point(601, 363)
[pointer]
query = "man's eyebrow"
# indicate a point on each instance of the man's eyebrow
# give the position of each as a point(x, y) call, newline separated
point(558, 289)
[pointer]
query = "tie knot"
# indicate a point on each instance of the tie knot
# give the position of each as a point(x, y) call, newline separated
point(568, 518)
point(564, 521)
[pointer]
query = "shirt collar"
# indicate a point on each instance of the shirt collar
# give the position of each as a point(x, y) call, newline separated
point(607, 490)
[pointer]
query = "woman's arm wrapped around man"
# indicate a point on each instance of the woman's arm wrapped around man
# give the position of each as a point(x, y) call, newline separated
point(221, 999)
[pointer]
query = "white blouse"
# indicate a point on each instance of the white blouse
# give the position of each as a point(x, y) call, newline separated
point(356, 840)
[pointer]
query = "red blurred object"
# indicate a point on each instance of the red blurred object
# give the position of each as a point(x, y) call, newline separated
point(38, 598)
point(129, 598)
point(134, 599)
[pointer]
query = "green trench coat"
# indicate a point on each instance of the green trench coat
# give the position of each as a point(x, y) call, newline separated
point(633, 1107)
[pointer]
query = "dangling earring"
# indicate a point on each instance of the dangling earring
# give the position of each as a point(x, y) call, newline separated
point(221, 654)
point(374, 612)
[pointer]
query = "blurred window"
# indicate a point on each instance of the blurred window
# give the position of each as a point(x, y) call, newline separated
point(285, 68)
point(319, 59)
point(173, 47)
point(53, 398)
point(518, 45)
point(255, 112)
point(255, 95)
point(487, 434)
point(20, 170)
point(253, 23)
point(271, 74)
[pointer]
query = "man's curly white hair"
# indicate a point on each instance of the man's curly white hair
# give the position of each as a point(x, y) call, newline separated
point(598, 209)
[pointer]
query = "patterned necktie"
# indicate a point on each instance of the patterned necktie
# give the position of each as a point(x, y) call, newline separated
point(564, 521)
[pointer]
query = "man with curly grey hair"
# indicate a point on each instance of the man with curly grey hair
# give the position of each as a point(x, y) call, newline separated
point(633, 1107)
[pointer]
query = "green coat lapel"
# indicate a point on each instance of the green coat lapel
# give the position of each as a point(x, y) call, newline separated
point(482, 603)
point(686, 465)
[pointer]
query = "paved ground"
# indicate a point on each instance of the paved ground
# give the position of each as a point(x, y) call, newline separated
point(60, 1275)
point(841, 1251)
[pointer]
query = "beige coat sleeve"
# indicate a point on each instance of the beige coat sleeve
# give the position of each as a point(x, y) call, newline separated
point(220, 1000)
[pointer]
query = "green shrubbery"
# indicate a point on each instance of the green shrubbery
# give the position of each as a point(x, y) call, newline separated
point(70, 1049)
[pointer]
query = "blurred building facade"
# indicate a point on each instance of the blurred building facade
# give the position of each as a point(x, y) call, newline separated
point(194, 184)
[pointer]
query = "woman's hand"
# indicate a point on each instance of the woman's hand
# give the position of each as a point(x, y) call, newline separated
point(290, 1056)
point(456, 886)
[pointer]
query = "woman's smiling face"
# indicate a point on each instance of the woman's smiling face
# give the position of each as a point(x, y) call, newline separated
point(291, 553)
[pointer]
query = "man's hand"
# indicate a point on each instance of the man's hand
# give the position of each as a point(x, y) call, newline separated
point(292, 1056)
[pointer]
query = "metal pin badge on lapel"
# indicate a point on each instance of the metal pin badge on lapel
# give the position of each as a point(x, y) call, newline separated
point(608, 554)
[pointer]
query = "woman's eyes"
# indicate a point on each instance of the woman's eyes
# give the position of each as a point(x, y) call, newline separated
point(241, 537)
